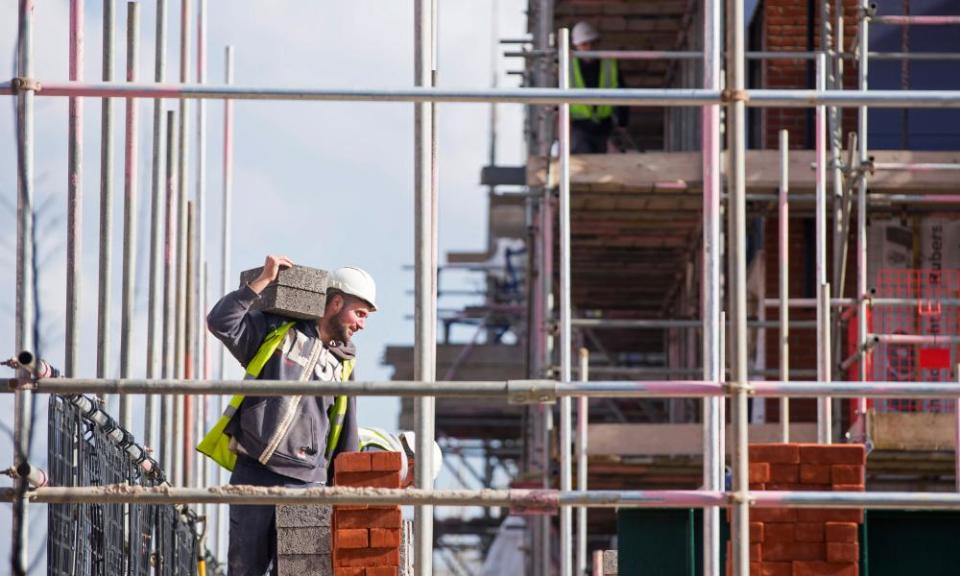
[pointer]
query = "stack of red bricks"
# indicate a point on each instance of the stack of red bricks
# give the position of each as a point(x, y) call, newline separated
point(366, 539)
point(805, 541)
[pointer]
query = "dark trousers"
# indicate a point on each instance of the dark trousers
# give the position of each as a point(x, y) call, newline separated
point(588, 137)
point(253, 528)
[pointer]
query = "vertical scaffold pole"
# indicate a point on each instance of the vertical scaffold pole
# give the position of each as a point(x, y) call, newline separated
point(566, 476)
point(824, 415)
point(25, 281)
point(168, 406)
point(863, 47)
point(130, 209)
point(713, 428)
point(425, 261)
point(106, 199)
point(583, 421)
point(74, 193)
point(784, 229)
point(736, 134)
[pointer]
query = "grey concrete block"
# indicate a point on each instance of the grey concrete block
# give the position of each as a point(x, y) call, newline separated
point(298, 292)
point(312, 540)
point(305, 565)
point(609, 563)
point(406, 548)
point(304, 516)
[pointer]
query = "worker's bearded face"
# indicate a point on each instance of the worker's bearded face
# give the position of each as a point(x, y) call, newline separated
point(349, 319)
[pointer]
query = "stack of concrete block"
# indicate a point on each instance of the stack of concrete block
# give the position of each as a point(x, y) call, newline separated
point(298, 292)
point(366, 539)
point(805, 541)
point(303, 540)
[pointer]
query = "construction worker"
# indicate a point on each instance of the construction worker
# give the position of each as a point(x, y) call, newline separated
point(591, 126)
point(284, 440)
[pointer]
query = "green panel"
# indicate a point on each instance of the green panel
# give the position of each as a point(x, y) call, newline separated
point(659, 542)
point(901, 542)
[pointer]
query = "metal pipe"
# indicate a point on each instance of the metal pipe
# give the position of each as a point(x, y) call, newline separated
point(169, 313)
point(825, 404)
point(784, 263)
point(755, 55)
point(635, 54)
point(736, 207)
point(915, 167)
point(563, 133)
point(200, 335)
point(583, 424)
point(425, 262)
point(897, 20)
point(915, 338)
point(662, 323)
point(529, 499)
point(598, 563)
point(74, 193)
point(823, 319)
point(104, 307)
point(154, 335)
point(799, 98)
point(712, 321)
point(189, 413)
point(25, 305)
point(130, 209)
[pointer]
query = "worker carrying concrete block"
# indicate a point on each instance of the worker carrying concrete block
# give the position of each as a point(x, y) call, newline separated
point(285, 440)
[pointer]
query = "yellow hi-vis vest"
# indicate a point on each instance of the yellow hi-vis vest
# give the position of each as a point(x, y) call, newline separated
point(216, 443)
point(608, 79)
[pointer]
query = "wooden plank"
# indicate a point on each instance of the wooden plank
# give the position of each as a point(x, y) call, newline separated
point(923, 431)
point(650, 170)
point(677, 439)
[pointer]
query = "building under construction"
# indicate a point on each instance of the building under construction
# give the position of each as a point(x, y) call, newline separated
point(728, 345)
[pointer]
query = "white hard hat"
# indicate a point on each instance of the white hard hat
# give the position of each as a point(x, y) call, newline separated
point(355, 282)
point(409, 441)
point(583, 32)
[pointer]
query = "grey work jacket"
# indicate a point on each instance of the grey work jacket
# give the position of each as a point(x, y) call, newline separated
point(300, 452)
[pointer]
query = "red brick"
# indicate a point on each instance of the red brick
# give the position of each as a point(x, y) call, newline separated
point(757, 532)
point(352, 462)
point(848, 488)
point(756, 552)
point(777, 532)
point(368, 557)
point(759, 473)
point(367, 479)
point(833, 454)
point(841, 532)
point(351, 538)
point(775, 453)
point(776, 569)
point(774, 515)
point(382, 571)
point(846, 474)
point(793, 551)
point(782, 473)
point(346, 571)
point(815, 473)
point(843, 552)
point(384, 537)
point(830, 515)
point(385, 461)
point(809, 531)
point(372, 518)
point(757, 487)
point(825, 569)
point(782, 486)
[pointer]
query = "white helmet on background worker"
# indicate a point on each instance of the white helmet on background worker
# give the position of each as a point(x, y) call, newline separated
point(377, 439)
point(583, 32)
point(355, 282)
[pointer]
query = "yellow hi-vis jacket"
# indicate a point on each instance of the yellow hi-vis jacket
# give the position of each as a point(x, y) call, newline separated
point(216, 443)
point(608, 79)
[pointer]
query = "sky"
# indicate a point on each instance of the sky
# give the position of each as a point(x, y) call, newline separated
point(327, 184)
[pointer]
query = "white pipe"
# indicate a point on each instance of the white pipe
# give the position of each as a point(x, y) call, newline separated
point(784, 263)
point(583, 423)
point(563, 129)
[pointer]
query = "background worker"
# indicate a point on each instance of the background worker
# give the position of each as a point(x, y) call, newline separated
point(591, 126)
point(284, 440)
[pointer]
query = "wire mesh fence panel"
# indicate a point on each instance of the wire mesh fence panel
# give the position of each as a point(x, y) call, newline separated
point(919, 332)
point(109, 539)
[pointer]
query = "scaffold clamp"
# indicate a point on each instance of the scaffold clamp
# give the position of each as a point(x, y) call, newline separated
point(25, 85)
point(531, 391)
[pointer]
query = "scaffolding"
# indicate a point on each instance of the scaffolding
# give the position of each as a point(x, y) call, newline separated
point(182, 385)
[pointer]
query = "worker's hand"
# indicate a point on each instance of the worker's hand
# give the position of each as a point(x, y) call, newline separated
point(271, 268)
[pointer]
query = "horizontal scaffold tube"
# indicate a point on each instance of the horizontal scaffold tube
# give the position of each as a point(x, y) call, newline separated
point(595, 96)
point(513, 390)
point(515, 498)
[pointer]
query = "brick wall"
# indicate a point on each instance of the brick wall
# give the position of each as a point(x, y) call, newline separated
point(785, 29)
point(366, 539)
point(805, 541)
